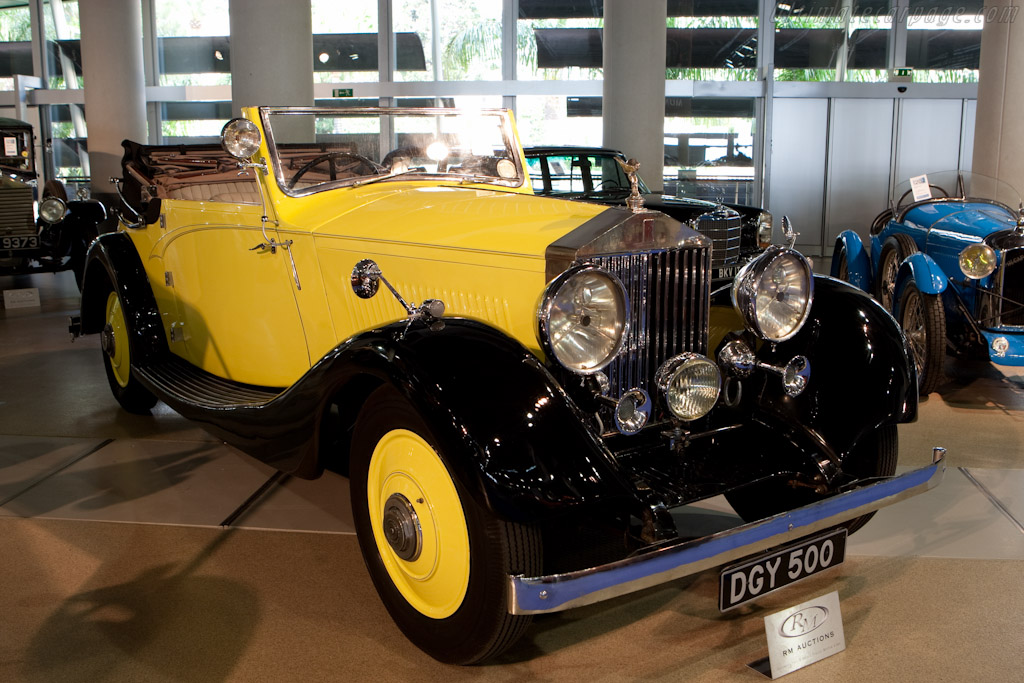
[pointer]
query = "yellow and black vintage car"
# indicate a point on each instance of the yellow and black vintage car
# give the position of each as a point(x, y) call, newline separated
point(522, 389)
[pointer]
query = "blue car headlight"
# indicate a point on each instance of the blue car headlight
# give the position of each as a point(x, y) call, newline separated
point(978, 261)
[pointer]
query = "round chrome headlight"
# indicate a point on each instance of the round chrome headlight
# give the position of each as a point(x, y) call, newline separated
point(978, 260)
point(690, 384)
point(52, 210)
point(764, 230)
point(583, 318)
point(773, 293)
point(240, 138)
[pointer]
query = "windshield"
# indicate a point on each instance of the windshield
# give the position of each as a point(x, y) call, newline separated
point(315, 149)
point(569, 173)
point(955, 185)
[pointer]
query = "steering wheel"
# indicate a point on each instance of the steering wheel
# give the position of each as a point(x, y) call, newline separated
point(333, 157)
point(933, 187)
point(612, 184)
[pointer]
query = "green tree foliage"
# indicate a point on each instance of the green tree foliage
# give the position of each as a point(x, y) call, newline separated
point(15, 25)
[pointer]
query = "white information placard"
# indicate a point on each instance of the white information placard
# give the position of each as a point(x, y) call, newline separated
point(10, 146)
point(920, 188)
point(804, 634)
point(21, 298)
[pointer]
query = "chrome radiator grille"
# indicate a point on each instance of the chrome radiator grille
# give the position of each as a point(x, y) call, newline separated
point(16, 213)
point(724, 231)
point(669, 298)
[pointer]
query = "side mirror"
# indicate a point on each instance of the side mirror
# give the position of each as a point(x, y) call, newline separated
point(240, 138)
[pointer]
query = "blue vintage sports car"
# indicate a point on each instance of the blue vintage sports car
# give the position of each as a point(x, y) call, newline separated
point(947, 258)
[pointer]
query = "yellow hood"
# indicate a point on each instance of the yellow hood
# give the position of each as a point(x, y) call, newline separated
point(467, 219)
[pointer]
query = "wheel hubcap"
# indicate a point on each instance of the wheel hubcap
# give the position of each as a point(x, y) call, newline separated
point(107, 342)
point(402, 528)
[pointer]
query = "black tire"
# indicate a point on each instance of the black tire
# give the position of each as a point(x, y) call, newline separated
point(79, 249)
point(874, 456)
point(924, 322)
point(450, 624)
point(894, 251)
point(842, 264)
point(116, 350)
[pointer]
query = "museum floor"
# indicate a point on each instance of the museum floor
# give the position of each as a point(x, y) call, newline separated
point(123, 556)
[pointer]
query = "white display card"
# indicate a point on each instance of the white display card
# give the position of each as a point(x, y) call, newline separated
point(21, 298)
point(919, 185)
point(10, 146)
point(804, 634)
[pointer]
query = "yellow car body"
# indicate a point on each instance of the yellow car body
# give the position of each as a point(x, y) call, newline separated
point(208, 281)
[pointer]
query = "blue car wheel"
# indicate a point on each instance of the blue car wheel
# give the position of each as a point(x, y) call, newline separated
point(924, 322)
point(895, 249)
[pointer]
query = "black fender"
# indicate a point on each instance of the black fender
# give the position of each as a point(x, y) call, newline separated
point(504, 426)
point(113, 262)
point(85, 216)
point(80, 225)
point(862, 377)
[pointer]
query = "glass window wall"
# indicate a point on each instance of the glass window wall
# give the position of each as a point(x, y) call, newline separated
point(944, 40)
point(559, 40)
point(709, 148)
point(832, 40)
point(68, 131)
point(712, 41)
point(15, 45)
point(345, 41)
point(559, 120)
point(447, 40)
point(192, 42)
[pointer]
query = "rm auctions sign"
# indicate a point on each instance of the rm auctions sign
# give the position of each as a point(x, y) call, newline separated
point(804, 634)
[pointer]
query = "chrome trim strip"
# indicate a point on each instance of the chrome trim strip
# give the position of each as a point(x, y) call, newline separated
point(554, 593)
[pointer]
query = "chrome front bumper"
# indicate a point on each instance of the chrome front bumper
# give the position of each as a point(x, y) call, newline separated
point(540, 594)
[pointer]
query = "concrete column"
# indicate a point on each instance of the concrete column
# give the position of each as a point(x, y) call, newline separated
point(115, 85)
point(999, 127)
point(271, 53)
point(634, 83)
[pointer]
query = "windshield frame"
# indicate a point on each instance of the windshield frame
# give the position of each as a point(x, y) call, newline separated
point(543, 157)
point(963, 183)
point(511, 142)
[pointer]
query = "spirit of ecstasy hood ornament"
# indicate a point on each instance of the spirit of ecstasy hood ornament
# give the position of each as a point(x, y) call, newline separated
point(634, 201)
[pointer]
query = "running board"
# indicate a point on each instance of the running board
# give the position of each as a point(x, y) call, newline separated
point(178, 379)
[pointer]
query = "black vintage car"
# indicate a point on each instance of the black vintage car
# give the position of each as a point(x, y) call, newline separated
point(595, 174)
point(40, 232)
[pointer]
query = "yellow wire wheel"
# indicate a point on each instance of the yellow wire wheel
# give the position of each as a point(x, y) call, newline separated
point(115, 341)
point(418, 523)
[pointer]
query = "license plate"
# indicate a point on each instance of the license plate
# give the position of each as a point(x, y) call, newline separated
point(753, 578)
point(10, 242)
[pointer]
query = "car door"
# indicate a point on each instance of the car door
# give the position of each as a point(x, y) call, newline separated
point(234, 293)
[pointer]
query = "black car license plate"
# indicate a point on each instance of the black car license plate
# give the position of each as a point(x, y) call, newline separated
point(15, 242)
point(752, 578)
